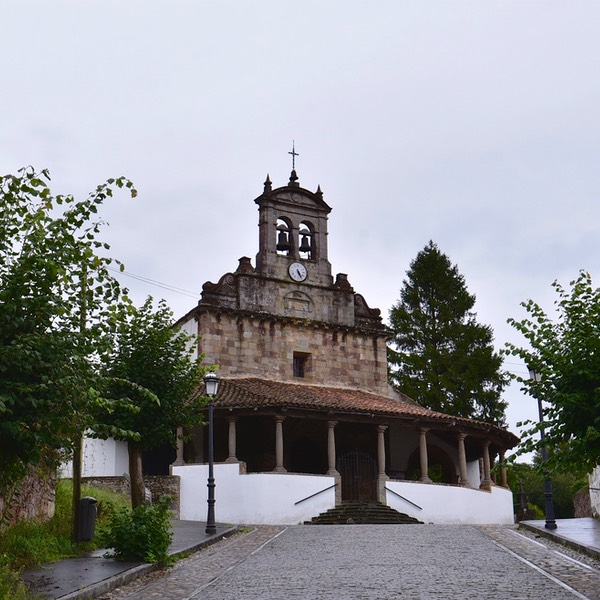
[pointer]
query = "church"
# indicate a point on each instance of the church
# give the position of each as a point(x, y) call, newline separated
point(304, 418)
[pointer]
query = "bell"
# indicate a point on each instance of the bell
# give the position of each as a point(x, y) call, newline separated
point(283, 243)
point(305, 244)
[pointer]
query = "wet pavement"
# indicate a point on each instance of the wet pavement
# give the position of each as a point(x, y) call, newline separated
point(95, 576)
point(581, 534)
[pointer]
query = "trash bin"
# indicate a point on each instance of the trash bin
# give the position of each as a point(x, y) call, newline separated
point(88, 507)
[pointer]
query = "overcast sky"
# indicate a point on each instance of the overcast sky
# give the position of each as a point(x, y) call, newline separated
point(470, 123)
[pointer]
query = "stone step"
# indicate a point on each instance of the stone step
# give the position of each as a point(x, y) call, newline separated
point(362, 513)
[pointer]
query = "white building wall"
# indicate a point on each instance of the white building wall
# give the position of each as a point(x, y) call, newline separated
point(101, 458)
point(269, 498)
point(448, 504)
point(191, 328)
point(473, 473)
point(253, 498)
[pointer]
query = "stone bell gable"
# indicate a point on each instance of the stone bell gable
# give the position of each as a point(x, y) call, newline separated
point(286, 318)
point(293, 227)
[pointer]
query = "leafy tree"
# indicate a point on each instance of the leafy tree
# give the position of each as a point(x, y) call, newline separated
point(56, 295)
point(565, 353)
point(151, 366)
point(529, 480)
point(440, 355)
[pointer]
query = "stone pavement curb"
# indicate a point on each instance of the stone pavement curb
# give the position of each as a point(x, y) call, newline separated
point(555, 536)
point(98, 589)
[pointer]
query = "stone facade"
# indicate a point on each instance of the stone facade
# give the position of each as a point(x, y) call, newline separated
point(32, 498)
point(255, 345)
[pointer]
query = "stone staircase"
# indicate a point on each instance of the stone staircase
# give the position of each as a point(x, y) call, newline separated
point(361, 513)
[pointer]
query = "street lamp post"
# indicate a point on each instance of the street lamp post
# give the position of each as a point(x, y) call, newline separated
point(211, 382)
point(549, 503)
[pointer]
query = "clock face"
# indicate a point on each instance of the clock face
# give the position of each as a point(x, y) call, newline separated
point(297, 271)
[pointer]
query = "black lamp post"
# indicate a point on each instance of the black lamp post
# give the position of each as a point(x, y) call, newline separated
point(550, 520)
point(211, 382)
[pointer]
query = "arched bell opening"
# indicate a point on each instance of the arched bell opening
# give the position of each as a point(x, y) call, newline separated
point(306, 236)
point(284, 237)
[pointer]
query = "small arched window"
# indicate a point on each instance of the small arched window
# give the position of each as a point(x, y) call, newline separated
point(284, 237)
point(305, 233)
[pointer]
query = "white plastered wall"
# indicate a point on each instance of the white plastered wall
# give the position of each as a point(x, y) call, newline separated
point(270, 498)
point(101, 458)
point(449, 504)
point(254, 498)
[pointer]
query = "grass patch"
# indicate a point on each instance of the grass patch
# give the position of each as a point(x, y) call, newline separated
point(11, 586)
point(31, 543)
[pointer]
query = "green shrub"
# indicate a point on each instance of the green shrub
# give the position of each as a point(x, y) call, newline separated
point(11, 586)
point(539, 513)
point(143, 533)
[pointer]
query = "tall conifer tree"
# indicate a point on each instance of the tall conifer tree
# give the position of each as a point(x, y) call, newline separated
point(440, 356)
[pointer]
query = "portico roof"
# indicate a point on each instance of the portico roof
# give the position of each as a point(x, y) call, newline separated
point(258, 393)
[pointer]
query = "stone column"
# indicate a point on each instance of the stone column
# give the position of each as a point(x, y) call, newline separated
point(486, 484)
point(231, 440)
point(381, 476)
point(381, 449)
point(423, 455)
point(179, 460)
point(462, 460)
point(503, 477)
point(332, 471)
point(279, 468)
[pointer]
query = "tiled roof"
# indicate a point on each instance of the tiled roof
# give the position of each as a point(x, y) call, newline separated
point(254, 392)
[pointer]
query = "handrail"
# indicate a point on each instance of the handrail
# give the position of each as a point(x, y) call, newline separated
point(315, 494)
point(403, 498)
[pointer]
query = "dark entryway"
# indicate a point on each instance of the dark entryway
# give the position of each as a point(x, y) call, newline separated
point(358, 471)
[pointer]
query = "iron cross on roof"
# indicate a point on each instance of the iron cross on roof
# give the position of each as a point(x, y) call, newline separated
point(294, 154)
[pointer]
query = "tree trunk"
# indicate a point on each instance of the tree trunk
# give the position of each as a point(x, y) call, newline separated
point(135, 473)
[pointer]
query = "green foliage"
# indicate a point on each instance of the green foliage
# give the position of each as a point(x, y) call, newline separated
point(143, 533)
point(564, 352)
point(56, 302)
point(528, 479)
point(11, 586)
point(440, 356)
point(152, 366)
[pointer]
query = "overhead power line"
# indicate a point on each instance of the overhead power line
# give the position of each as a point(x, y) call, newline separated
point(159, 284)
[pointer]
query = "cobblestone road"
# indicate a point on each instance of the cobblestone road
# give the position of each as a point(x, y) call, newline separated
point(374, 562)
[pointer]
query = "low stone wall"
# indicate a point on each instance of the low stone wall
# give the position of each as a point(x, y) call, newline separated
point(31, 498)
point(594, 479)
point(116, 484)
point(582, 504)
point(159, 485)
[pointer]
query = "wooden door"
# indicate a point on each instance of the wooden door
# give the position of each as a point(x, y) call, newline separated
point(358, 472)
